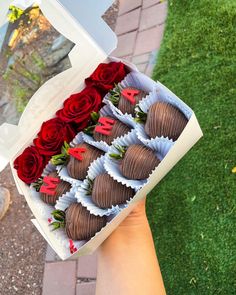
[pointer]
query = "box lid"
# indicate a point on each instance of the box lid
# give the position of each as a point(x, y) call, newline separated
point(79, 21)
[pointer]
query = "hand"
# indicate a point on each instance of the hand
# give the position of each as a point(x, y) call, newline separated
point(127, 262)
point(137, 216)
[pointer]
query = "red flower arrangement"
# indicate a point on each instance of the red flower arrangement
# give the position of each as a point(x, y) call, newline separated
point(106, 75)
point(72, 118)
point(52, 135)
point(30, 164)
point(78, 107)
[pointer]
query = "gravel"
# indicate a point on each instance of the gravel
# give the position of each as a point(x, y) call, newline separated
point(22, 248)
point(111, 15)
point(4, 201)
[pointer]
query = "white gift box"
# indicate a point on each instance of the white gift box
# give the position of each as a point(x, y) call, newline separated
point(79, 21)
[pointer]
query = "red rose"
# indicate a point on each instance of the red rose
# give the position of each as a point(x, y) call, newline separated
point(78, 107)
point(52, 135)
point(107, 75)
point(30, 165)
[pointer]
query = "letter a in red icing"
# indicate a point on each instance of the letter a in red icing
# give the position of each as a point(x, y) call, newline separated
point(106, 127)
point(49, 185)
point(76, 153)
point(129, 94)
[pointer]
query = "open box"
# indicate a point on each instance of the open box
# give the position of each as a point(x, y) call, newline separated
point(94, 41)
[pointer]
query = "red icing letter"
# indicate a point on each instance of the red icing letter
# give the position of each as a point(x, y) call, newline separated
point(49, 185)
point(106, 126)
point(76, 153)
point(129, 94)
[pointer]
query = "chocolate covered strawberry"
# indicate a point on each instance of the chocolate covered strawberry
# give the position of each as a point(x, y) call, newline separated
point(52, 187)
point(81, 156)
point(107, 192)
point(163, 119)
point(107, 129)
point(77, 159)
point(137, 161)
point(78, 222)
point(126, 99)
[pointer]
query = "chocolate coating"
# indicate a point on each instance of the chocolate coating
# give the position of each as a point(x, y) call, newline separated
point(61, 189)
point(165, 120)
point(138, 162)
point(126, 106)
point(78, 169)
point(107, 191)
point(80, 224)
point(118, 129)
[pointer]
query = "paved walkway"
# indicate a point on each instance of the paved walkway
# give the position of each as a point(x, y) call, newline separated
point(140, 28)
point(69, 277)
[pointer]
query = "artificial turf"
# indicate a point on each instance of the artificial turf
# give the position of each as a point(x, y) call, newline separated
point(192, 212)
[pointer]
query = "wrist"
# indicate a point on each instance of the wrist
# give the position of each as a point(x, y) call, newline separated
point(133, 229)
point(137, 216)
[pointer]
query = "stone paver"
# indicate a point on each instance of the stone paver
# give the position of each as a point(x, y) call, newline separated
point(128, 5)
point(148, 3)
point(148, 71)
point(51, 255)
point(128, 22)
point(142, 67)
point(86, 288)
point(149, 40)
point(129, 57)
point(152, 62)
point(139, 59)
point(59, 278)
point(137, 46)
point(153, 16)
point(126, 44)
point(87, 266)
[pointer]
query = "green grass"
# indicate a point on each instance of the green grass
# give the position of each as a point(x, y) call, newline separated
point(193, 211)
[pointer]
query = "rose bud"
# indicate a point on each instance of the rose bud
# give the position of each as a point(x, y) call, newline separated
point(30, 164)
point(107, 75)
point(78, 107)
point(52, 135)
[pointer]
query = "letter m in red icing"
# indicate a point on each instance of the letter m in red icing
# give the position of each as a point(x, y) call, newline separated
point(49, 185)
point(106, 126)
